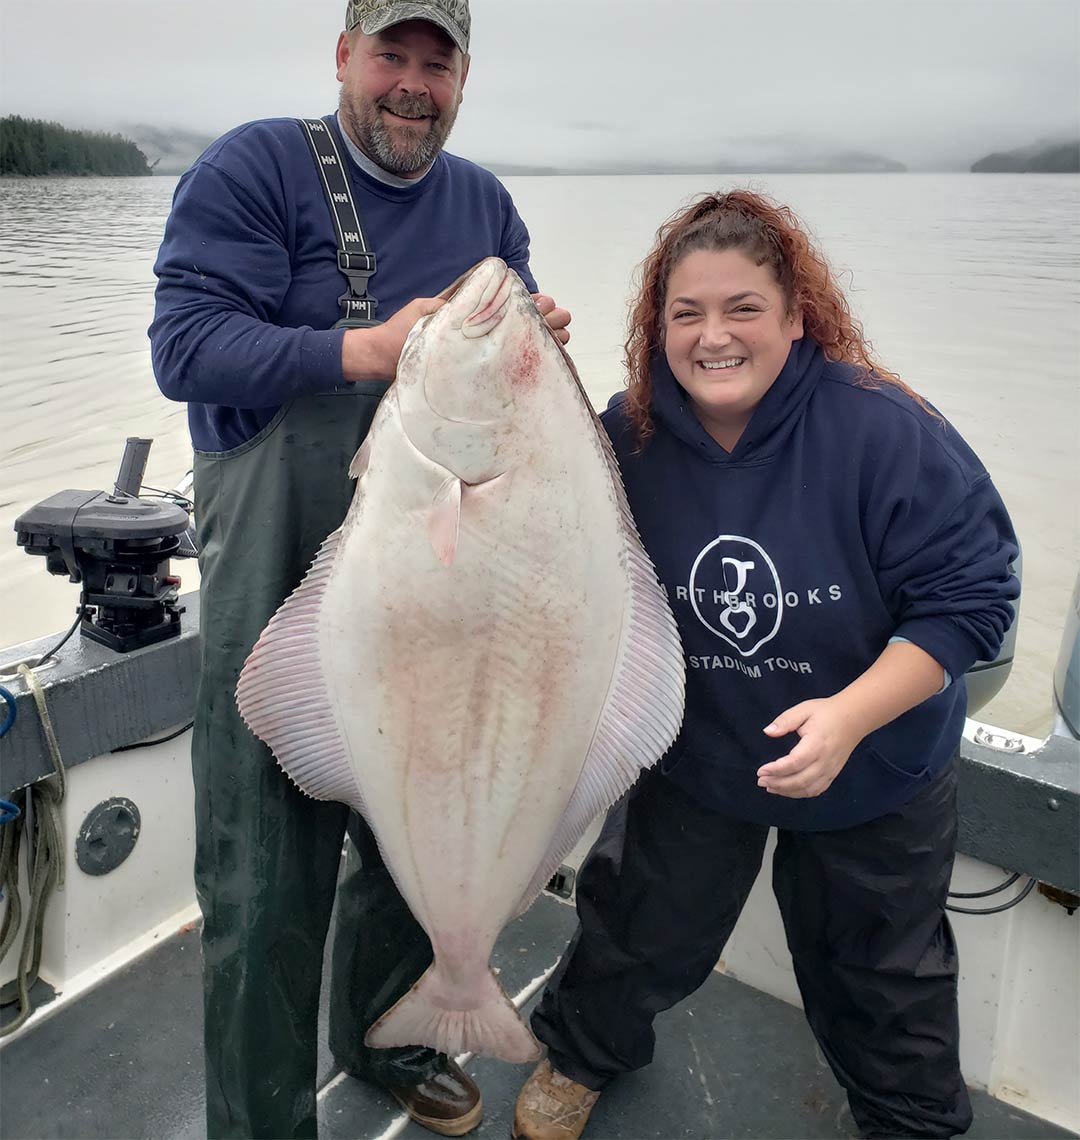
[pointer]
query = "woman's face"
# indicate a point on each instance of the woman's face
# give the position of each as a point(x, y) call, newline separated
point(727, 335)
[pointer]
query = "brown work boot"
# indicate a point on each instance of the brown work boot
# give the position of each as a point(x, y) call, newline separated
point(551, 1106)
point(447, 1103)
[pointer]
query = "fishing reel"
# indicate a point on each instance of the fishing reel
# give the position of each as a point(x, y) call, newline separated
point(118, 546)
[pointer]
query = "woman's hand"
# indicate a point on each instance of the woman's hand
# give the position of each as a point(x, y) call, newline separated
point(556, 318)
point(829, 728)
point(827, 737)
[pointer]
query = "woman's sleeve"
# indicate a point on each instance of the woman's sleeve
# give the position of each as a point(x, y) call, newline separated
point(945, 549)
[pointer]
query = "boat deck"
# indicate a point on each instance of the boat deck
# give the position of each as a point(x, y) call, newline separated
point(124, 1061)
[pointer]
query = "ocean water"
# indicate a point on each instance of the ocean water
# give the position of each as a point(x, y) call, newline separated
point(968, 286)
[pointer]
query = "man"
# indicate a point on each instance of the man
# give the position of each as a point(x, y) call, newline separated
point(249, 287)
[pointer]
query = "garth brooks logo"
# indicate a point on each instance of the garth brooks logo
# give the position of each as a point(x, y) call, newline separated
point(727, 578)
point(736, 593)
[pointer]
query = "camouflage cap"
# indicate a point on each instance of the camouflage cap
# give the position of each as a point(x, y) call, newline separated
point(373, 16)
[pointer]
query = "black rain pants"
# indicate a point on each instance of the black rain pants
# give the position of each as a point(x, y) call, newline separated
point(863, 910)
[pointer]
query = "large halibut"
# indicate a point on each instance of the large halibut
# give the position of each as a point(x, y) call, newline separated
point(480, 659)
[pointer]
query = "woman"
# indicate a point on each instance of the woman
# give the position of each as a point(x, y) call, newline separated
point(836, 558)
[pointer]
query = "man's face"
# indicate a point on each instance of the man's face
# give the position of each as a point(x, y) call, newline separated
point(400, 92)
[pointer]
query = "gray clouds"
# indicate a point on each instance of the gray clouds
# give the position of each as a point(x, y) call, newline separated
point(571, 81)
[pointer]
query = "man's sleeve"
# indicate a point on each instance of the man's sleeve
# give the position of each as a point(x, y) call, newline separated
point(223, 270)
point(515, 247)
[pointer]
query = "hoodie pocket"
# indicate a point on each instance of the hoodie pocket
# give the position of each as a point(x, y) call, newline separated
point(907, 773)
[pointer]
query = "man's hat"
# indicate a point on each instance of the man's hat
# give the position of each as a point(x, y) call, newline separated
point(372, 16)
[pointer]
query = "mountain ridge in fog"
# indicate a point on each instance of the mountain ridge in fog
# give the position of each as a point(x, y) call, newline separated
point(1054, 155)
point(175, 148)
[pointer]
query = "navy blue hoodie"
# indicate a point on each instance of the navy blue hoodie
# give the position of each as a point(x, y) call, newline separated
point(844, 516)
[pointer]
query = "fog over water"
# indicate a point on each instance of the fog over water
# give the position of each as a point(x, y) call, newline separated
point(928, 83)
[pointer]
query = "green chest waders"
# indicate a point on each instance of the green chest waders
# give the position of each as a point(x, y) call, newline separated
point(267, 856)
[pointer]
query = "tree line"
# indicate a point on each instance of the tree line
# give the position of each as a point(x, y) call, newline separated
point(33, 147)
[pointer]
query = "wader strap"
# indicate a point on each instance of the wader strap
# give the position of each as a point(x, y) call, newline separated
point(355, 260)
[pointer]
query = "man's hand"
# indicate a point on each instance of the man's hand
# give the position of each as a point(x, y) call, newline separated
point(556, 318)
point(372, 354)
point(828, 735)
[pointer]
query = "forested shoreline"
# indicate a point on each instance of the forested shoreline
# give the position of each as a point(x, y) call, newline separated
point(34, 148)
point(1039, 158)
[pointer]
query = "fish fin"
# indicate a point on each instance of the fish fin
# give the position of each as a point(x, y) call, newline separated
point(361, 459)
point(644, 707)
point(283, 704)
point(429, 1015)
point(445, 519)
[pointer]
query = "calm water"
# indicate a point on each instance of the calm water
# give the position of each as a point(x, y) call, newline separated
point(967, 284)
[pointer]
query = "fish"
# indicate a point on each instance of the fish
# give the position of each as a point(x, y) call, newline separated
point(481, 659)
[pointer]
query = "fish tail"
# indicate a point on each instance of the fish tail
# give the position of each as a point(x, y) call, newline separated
point(432, 1014)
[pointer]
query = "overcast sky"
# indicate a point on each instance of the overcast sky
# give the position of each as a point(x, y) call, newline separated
point(558, 82)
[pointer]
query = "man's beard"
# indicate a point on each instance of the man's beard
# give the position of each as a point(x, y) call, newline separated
point(374, 137)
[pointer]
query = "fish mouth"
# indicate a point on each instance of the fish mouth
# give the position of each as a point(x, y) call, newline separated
point(475, 305)
point(491, 304)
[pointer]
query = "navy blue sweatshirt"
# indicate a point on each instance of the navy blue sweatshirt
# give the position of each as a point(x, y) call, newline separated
point(844, 516)
point(248, 280)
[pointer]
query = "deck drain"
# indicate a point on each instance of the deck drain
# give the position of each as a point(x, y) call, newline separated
point(107, 836)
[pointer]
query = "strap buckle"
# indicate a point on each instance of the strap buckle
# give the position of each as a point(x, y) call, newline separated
point(361, 262)
point(357, 307)
point(358, 312)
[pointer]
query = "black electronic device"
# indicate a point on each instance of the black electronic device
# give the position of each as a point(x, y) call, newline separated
point(118, 546)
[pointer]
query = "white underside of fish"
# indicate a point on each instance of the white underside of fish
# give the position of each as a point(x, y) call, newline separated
point(479, 670)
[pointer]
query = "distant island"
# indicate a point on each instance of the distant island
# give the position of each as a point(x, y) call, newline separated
point(33, 148)
point(1043, 157)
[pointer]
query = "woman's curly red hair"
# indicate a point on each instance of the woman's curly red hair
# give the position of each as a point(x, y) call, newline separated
point(770, 234)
